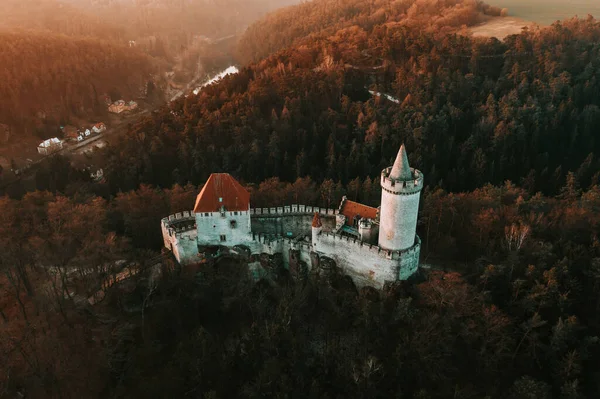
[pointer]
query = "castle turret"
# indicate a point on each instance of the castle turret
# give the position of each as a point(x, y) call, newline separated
point(367, 230)
point(317, 227)
point(400, 193)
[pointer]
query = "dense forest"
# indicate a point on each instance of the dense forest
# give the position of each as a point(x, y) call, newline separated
point(519, 321)
point(71, 53)
point(470, 111)
point(318, 19)
point(506, 304)
point(52, 77)
point(56, 17)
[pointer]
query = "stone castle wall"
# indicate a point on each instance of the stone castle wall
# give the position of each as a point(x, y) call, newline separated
point(290, 221)
point(368, 264)
point(229, 228)
point(272, 245)
point(180, 236)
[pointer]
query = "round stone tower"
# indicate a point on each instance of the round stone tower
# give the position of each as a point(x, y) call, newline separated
point(400, 193)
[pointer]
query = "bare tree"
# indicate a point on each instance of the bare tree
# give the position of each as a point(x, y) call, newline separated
point(515, 235)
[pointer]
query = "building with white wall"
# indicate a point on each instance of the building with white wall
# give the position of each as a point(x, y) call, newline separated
point(371, 245)
point(50, 146)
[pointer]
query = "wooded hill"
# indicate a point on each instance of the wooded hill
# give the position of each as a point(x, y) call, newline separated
point(61, 56)
point(56, 17)
point(61, 76)
point(470, 111)
point(521, 322)
point(322, 18)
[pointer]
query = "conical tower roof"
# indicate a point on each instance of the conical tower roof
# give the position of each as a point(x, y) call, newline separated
point(401, 170)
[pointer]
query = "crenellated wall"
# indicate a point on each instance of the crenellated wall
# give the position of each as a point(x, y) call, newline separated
point(293, 209)
point(369, 264)
point(290, 221)
point(180, 236)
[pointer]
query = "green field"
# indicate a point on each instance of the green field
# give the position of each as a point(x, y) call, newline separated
point(548, 11)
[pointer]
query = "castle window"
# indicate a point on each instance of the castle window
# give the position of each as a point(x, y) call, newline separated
point(235, 213)
point(223, 237)
point(233, 224)
point(206, 214)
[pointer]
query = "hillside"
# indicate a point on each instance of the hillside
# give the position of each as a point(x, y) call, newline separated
point(322, 18)
point(88, 48)
point(56, 17)
point(45, 78)
point(505, 305)
point(470, 110)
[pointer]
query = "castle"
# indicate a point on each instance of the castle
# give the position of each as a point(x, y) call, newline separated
point(372, 245)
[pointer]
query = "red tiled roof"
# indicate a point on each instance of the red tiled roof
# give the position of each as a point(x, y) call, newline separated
point(222, 190)
point(351, 209)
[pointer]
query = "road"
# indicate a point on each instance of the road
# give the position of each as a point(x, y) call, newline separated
point(115, 129)
point(67, 150)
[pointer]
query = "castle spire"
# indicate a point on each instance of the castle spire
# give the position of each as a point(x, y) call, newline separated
point(401, 170)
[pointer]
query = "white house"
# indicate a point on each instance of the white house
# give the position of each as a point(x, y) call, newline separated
point(99, 128)
point(50, 146)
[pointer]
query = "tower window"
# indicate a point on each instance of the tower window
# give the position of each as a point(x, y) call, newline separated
point(223, 237)
point(235, 213)
point(206, 214)
point(233, 224)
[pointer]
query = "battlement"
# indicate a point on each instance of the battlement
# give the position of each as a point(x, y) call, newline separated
point(292, 210)
point(399, 187)
point(180, 222)
point(364, 246)
point(270, 240)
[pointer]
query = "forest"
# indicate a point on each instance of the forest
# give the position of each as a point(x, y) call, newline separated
point(470, 111)
point(507, 301)
point(49, 78)
point(71, 53)
point(319, 19)
point(512, 313)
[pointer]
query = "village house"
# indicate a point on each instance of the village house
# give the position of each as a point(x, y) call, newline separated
point(99, 127)
point(50, 146)
point(120, 106)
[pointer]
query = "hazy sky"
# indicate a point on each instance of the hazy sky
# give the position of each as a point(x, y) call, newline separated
point(548, 11)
